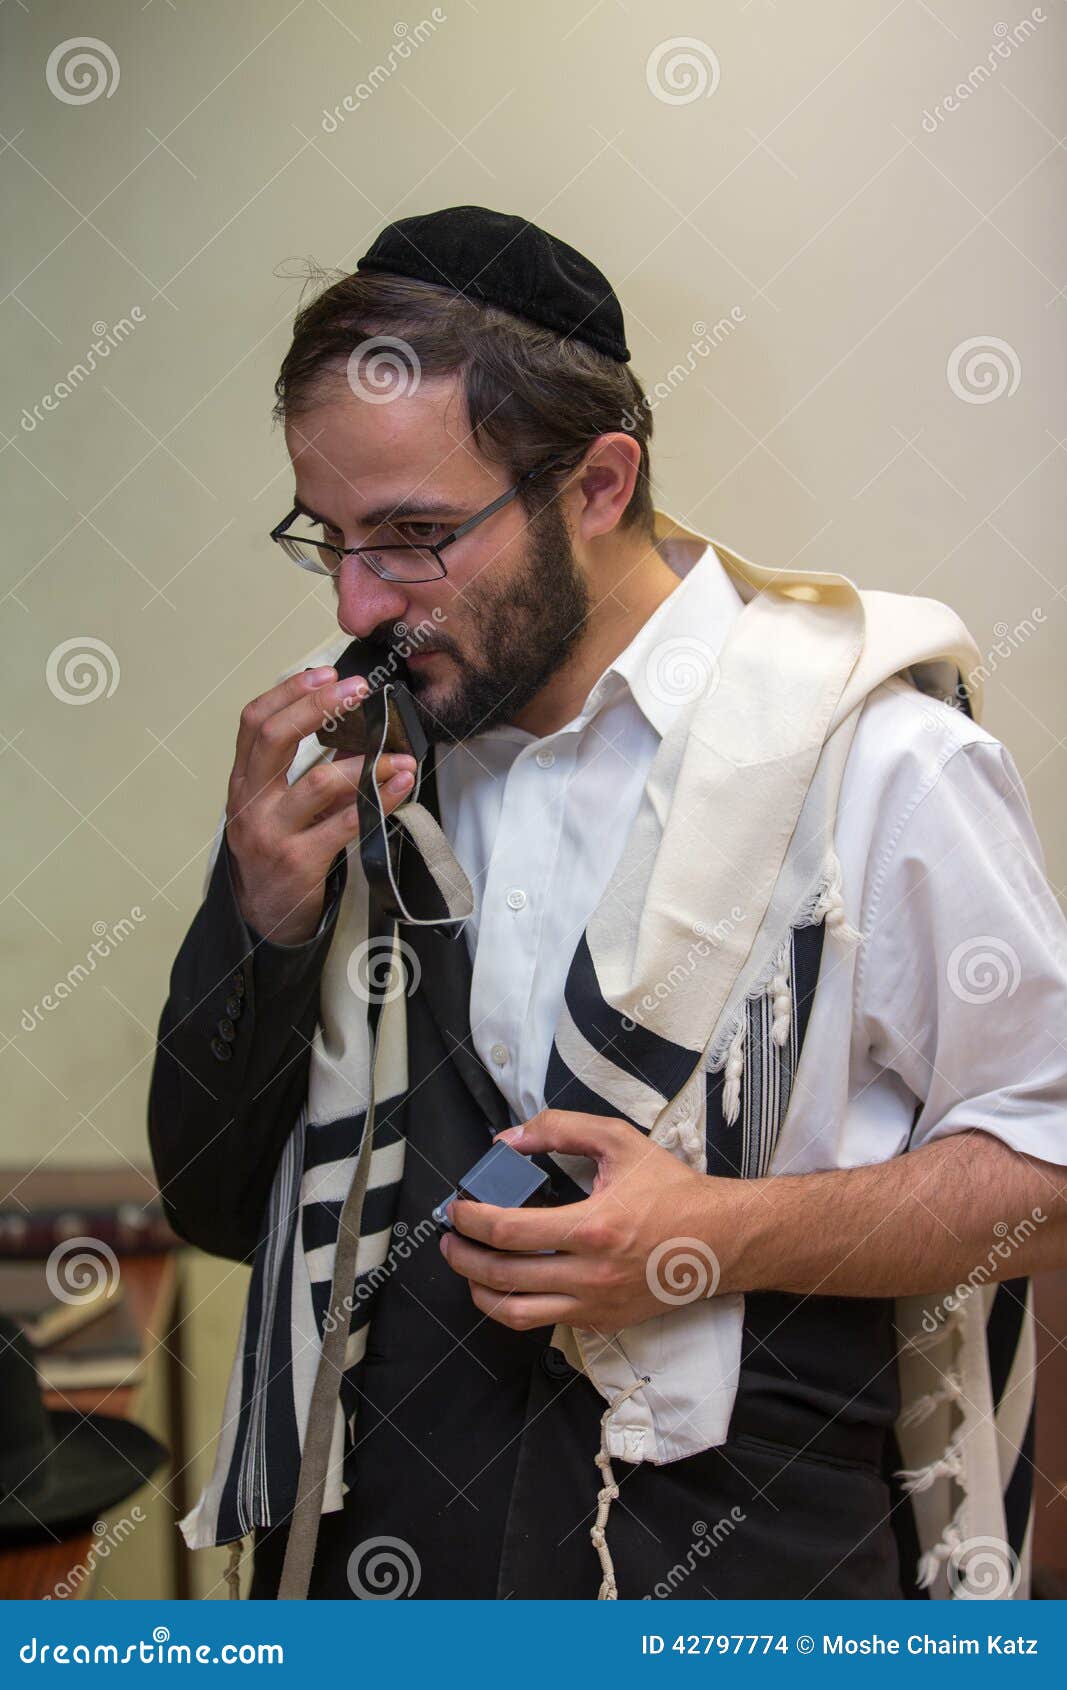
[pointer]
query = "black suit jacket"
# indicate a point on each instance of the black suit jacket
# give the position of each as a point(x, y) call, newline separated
point(231, 1065)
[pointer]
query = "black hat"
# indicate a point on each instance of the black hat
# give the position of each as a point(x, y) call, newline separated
point(59, 1469)
point(496, 259)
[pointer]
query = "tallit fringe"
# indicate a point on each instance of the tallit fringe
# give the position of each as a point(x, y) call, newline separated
point(735, 1068)
point(948, 1465)
point(922, 1408)
point(233, 1567)
point(782, 995)
point(824, 902)
point(950, 1540)
point(609, 1590)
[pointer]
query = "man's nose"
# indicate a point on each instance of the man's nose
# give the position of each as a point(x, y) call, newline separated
point(365, 601)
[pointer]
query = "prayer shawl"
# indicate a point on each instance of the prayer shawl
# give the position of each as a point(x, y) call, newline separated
point(694, 987)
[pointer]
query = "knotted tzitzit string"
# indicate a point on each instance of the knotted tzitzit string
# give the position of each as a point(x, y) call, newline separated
point(609, 1590)
point(233, 1566)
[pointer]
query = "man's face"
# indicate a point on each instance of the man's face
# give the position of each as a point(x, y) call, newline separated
point(485, 638)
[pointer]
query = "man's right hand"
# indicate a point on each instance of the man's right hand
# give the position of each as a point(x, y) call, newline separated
point(283, 838)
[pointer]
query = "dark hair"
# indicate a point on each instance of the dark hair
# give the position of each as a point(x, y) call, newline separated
point(528, 394)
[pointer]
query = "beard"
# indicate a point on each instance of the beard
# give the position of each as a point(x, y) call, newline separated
point(525, 629)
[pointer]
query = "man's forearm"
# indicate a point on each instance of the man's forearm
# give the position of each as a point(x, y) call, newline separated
point(922, 1222)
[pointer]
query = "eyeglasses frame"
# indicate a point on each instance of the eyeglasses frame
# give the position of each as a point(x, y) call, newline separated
point(279, 535)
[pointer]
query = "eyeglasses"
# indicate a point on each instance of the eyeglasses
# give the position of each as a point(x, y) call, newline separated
point(406, 561)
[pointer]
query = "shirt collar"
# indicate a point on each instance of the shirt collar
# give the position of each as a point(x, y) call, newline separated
point(673, 654)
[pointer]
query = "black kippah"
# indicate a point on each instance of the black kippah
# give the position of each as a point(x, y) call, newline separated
point(500, 260)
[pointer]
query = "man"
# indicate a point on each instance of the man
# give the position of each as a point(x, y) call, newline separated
point(770, 1140)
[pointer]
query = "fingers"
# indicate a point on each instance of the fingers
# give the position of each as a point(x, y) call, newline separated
point(569, 1130)
point(255, 713)
point(503, 1270)
point(327, 786)
point(524, 1314)
point(281, 730)
point(564, 1227)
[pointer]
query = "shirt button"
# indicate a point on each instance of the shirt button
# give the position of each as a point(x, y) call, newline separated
point(516, 898)
point(220, 1051)
point(545, 759)
point(500, 1054)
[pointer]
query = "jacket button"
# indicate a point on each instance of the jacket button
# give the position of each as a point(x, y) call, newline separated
point(238, 984)
point(555, 1363)
point(227, 1030)
point(220, 1051)
point(234, 1006)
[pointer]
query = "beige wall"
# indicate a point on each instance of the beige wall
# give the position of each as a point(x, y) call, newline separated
point(816, 199)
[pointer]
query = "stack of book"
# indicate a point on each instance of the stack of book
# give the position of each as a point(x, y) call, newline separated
point(70, 1302)
point(82, 1344)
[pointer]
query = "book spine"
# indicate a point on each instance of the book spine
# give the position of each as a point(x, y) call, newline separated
point(33, 1236)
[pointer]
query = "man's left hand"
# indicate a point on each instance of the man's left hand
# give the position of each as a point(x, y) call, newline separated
point(651, 1235)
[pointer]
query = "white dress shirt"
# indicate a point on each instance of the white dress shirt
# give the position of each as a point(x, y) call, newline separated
point(958, 1004)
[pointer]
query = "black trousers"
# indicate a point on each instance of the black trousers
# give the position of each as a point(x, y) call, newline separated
point(756, 1517)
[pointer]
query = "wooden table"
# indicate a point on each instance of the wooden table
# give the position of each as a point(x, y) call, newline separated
point(154, 1292)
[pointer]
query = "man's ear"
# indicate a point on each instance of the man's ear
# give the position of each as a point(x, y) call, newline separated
point(605, 484)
